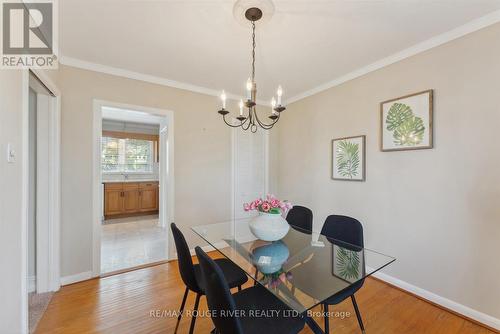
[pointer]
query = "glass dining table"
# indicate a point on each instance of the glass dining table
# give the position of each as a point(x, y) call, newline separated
point(303, 269)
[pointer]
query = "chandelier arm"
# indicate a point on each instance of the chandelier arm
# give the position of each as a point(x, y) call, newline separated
point(245, 121)
point(264, 125)
point(231, 125)
point(246, 127)
point(249, 119)
point(267, 126)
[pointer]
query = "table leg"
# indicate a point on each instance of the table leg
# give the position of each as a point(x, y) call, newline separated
point(313, 325)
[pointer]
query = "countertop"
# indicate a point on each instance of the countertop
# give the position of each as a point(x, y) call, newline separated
point(130, 181)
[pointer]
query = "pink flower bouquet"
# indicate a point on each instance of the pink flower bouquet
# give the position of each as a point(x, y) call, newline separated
point(268, 205)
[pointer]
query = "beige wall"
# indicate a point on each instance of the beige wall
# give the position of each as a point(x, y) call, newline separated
point(202, 156)
point(436, 210)
point(11, 195)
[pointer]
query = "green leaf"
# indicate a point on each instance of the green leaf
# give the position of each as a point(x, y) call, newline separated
point(410, 132)
point(347, 158)
point(397, 115)
point(347, 262)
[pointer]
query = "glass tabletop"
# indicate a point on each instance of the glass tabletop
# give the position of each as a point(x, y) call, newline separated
point(302, 269)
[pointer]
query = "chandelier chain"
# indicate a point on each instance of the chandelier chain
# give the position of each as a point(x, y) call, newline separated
point(253, 51)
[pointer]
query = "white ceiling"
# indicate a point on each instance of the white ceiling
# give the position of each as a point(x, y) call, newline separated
point(306, 44)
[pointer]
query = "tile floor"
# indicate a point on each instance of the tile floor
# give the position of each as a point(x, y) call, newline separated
point(131, 242)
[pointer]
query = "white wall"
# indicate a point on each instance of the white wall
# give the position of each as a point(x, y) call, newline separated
point(437, 211)
point(11, 195)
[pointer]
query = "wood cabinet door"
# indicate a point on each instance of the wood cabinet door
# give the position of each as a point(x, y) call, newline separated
point(130, 197)
point(131, 201)
point(113, 202)
point(149, 199)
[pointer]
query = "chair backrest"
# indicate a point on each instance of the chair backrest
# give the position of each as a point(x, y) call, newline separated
point(343, 228)
point(220, 301)
point(301, 217)
point(184, 259)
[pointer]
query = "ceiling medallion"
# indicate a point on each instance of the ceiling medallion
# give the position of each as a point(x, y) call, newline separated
point(249, 120)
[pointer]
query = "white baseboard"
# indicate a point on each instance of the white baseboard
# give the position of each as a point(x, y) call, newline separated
point(76, 278)
point(31, 284)
point(446, 303)
point(208, 248)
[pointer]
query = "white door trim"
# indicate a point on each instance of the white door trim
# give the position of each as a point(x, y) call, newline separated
point(166, 175)
point(43, 238)
point(25, 203)
point(54, 190)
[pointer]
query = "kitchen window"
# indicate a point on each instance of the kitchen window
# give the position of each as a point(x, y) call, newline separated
point(125, 155)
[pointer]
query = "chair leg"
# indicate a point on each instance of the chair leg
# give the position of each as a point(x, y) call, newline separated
point(196, 304)
point(327, 319)
point(181, 310)
point(239, 288)
point(358, 315)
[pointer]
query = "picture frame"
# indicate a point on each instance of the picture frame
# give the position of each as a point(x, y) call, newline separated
point(406, 122)
point(349, 158)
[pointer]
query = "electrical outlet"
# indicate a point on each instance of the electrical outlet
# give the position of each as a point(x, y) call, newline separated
point(11, 154)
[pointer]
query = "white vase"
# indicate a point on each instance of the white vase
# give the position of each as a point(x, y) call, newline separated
point(268, 226)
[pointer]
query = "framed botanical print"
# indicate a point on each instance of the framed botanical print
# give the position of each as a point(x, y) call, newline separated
point(348, 158)
point(406, 122)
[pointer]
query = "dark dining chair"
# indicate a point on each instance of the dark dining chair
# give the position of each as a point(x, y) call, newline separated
point(192, 277)
point(233, 312)
point(350, 231)
point(301, 217)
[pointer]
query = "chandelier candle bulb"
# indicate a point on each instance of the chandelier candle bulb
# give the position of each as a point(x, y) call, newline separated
point(249, 89)
point(273, 105)
point(223, 98)
point(280, 93)
point(241, 107)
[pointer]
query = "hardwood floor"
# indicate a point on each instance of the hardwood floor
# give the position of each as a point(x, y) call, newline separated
point(123, 304)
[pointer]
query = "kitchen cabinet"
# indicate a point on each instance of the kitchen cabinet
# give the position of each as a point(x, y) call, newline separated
point(123, 199)
point(148, 197)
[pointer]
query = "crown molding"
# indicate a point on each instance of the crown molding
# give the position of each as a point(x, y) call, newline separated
point(120, 72)
point(431, 43)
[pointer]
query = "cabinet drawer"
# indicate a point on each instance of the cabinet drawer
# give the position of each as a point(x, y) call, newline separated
point(148, 185)
point(113, 186)
point(130, 186)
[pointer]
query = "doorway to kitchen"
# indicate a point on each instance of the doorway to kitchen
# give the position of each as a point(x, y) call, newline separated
point(133, 167)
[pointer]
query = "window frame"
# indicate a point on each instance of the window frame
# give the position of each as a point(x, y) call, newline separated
point(138, 136)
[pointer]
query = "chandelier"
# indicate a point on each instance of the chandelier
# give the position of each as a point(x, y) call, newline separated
point(249, 120)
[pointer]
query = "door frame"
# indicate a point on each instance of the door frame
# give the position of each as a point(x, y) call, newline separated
point(52, 225)
point(166, 174)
